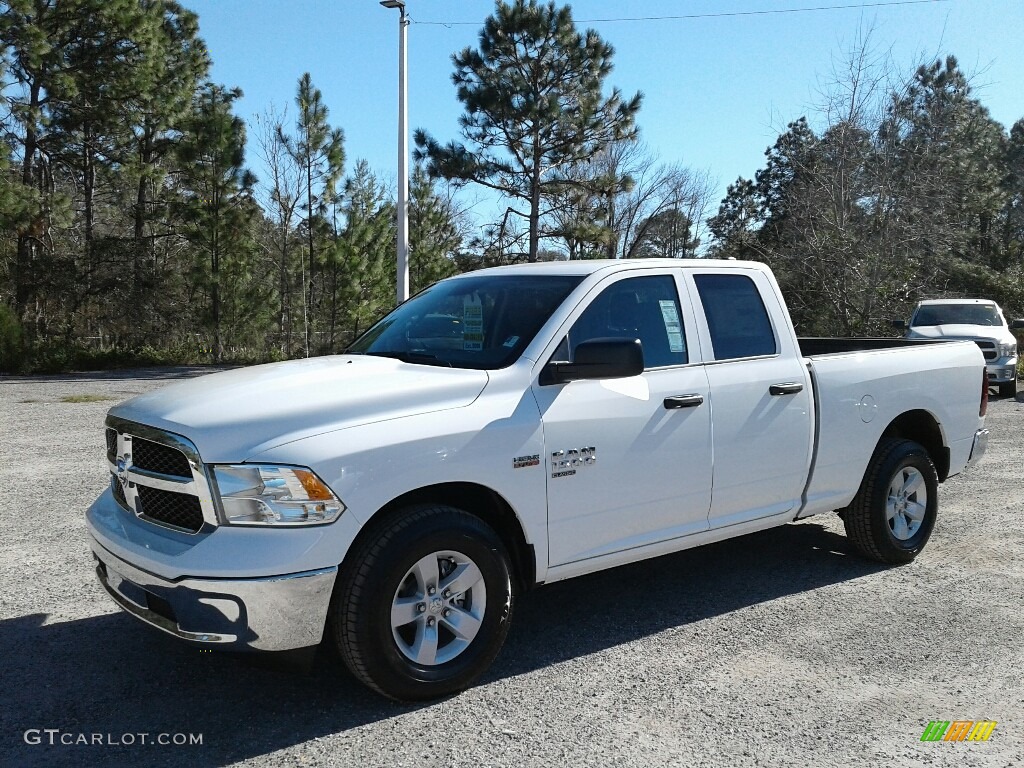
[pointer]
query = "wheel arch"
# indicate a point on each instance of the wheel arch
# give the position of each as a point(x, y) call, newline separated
point(478, 500)
point(922, 427)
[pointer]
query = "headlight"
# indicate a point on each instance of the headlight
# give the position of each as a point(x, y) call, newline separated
point(264, 494)
point(1007, 349)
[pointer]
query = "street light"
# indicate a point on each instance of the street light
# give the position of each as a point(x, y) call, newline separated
point(403, 154)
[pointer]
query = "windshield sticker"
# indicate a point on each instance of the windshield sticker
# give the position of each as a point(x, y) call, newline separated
point(511, 341)
point(673, 327)
point(473, 324)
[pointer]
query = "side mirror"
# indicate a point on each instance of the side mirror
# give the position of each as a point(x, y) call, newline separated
point(598, 359)
point(1017, 324)
point(899, 325)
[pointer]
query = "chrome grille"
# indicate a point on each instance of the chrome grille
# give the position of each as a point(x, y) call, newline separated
point(988, 348)
point(159, 458)
point(158, 476)
point(111, 444)
point(181, 510)
point(118, 489)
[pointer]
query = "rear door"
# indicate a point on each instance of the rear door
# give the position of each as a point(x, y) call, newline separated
point(762, 424)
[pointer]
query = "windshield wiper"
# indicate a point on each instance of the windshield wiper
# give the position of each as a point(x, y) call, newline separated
point(424, 358)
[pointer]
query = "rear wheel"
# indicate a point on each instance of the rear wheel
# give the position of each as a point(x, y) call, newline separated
point(423, 607)
point(892, 516)
point(1008, 389)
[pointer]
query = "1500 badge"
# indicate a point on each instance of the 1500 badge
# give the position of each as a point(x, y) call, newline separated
point(565, 463)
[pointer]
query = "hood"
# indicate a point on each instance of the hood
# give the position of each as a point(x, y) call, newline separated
point(236, 414)
point(958, 331)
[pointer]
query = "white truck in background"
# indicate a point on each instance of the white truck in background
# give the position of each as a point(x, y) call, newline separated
point(977, 320)
point(508, 428)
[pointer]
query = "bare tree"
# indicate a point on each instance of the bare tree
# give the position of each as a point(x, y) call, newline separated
point(609, 203)
point(893, 196)
point(662, 191)
point(280, 200)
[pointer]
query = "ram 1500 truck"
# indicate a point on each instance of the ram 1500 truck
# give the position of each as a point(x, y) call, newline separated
point(977, 320)
point(507, 428)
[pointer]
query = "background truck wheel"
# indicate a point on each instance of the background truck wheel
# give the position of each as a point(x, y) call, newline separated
point(893, 513)
point(1008, 389)
point(423, 606)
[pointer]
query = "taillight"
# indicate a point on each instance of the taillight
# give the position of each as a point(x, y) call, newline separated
point(984, 392)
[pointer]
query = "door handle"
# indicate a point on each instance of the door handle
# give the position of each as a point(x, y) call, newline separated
point(683, 401)
point(789, 388)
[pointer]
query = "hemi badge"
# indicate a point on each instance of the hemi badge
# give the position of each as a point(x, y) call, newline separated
point(526, 461)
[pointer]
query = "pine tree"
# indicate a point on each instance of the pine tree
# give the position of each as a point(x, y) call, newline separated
point(217, 207)
point(947, 148)
point(735, 225)
point(15, 198)
point(320, 152)
point(534, 107)
point(363, 268)
point(106, 70)
point(435, 238)
point(36, 35)
point(176, 63)
point(1012, 217)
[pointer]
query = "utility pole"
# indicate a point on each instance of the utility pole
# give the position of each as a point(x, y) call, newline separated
point(402, 272)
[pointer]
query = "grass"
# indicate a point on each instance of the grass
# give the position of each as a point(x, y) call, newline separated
point(85, 398)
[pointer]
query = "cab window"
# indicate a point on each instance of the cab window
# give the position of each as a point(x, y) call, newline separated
point(644, 308)
point(737, 318)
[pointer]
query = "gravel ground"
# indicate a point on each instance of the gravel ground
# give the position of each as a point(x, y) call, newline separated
point(779, 648)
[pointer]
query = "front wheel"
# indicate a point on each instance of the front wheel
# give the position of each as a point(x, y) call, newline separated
point(1008, 389)
point(423, 606)
point(893, 514)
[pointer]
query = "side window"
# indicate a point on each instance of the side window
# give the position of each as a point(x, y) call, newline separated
point(645, 308)
point(736, 316)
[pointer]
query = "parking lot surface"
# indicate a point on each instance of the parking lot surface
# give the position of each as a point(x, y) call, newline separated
point(778, 648)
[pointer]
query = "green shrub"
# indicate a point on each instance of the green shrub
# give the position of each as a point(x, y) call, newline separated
point(59, 356)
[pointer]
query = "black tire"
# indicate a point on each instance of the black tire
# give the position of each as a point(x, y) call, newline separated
point(867, 518)
point(1008, 389)
point(383, 565)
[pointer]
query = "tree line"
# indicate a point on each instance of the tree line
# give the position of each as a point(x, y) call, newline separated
point(897, 189)
point(133, 229)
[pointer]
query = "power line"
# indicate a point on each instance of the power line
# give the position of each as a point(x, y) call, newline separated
point(720, 14)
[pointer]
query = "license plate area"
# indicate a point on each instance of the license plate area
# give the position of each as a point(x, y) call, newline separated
point(128, 589)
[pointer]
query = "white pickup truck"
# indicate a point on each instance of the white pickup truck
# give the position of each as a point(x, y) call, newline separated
point(508, 428)
point(977, 320)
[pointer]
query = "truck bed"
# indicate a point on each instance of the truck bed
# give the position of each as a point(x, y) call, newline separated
point(813, 346)
point(862, 385)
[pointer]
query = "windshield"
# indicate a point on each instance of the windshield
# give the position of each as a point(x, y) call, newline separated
point(470, 322)
point(957, 314)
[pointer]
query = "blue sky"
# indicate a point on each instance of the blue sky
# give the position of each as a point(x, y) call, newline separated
point(717, 90)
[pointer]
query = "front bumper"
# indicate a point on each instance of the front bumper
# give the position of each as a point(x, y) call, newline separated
point(275, 613)
point(1002, 371)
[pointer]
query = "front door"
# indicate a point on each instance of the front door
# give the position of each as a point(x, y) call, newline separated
point(628, 460)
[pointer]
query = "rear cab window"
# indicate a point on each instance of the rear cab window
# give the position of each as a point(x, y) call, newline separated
point(738, 322)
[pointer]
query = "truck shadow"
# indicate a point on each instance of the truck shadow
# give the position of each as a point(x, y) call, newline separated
point(111, 675)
